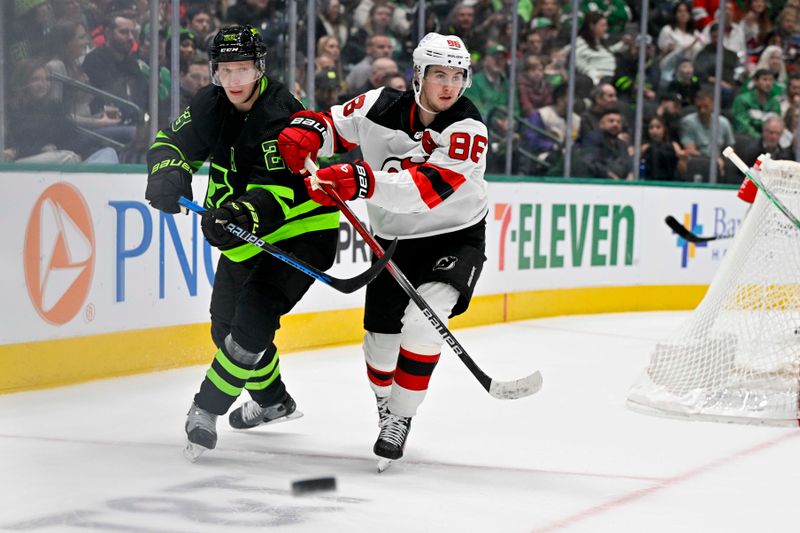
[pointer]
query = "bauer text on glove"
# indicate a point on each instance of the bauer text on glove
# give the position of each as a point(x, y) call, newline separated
point(165, 185)
point(301, 138)
point(350, 180)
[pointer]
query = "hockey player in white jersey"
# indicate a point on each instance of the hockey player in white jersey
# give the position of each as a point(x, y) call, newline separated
point(423, 180)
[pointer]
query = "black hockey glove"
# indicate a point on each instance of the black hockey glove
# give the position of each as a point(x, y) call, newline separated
point(240, 213)
point(165, 187)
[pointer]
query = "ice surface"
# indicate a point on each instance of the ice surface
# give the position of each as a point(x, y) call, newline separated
point(107, 455)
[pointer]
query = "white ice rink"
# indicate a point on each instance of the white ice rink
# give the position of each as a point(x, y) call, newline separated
point(106, 455)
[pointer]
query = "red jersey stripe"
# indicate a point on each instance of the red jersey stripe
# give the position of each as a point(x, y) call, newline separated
point(436, 184)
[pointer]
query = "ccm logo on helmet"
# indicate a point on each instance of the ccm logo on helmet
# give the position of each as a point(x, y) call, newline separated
point(454, 44)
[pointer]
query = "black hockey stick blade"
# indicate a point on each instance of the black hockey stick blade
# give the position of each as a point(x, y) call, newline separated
point(687, 235)
point(502, 390)
point(345, 285)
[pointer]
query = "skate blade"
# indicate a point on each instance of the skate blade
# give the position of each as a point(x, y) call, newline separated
point(293, 416)
point(383, 464)
point(193, 451)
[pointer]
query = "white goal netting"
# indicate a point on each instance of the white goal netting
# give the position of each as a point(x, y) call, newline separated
point(737, 357)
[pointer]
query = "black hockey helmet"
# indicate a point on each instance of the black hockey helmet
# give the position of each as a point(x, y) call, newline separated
point(237, 43)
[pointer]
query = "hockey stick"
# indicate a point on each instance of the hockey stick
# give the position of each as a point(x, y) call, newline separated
point(687, 235)
point(503, 390)
point(346, 285)
point(736, 160)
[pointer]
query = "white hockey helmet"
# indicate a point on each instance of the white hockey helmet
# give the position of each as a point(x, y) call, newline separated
point(443, 51)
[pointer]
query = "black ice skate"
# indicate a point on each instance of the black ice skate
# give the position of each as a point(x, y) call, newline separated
point(201, 432)
point(251, 414)
point(391, 440)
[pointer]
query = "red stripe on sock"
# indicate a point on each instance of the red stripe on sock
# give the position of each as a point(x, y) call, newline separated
point(375, 375)
point(422, 358)
point(410, 381)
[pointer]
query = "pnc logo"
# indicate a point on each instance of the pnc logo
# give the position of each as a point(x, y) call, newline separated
point(59, 253)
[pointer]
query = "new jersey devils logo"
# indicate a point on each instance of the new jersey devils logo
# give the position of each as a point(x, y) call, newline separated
point(396, 164)
point(446, 263)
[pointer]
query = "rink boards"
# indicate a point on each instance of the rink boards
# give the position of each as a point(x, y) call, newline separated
point(97, 284)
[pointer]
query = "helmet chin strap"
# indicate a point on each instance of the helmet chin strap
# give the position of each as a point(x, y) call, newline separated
point(417, 93)
point(254, 89)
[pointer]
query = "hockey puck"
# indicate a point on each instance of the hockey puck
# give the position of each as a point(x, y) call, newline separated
point(319, 484)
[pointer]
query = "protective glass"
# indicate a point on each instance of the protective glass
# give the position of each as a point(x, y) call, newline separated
point(235, 73)
point(456, 79)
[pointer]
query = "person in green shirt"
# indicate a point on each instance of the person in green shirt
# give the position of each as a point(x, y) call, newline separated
point(750, 108)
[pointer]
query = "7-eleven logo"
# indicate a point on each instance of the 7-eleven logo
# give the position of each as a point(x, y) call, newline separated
point(502, 212)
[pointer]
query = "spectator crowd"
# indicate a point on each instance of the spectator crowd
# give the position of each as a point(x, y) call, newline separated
point(77, 75)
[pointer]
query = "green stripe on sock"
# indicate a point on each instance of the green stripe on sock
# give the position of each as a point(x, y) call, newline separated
point(260, 372)
point(223, 385)
point(231, 367)
point(261, 385)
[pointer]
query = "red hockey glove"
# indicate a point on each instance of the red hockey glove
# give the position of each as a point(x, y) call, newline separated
point(243, 214)
point(351, 181)
point(302, 137)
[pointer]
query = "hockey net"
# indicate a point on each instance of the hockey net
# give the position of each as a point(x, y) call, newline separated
point(737, 356)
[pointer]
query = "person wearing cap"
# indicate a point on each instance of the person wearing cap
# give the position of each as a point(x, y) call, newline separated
point(422, 178)
point(234, 124)
point(604, 152)
point(187, 48)
point(327, 88)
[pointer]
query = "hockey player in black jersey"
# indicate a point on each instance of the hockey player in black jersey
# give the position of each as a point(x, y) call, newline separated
point(422, 179)
point(234, 125)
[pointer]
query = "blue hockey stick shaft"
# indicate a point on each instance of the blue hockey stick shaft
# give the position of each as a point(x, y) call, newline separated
point(345, 285)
